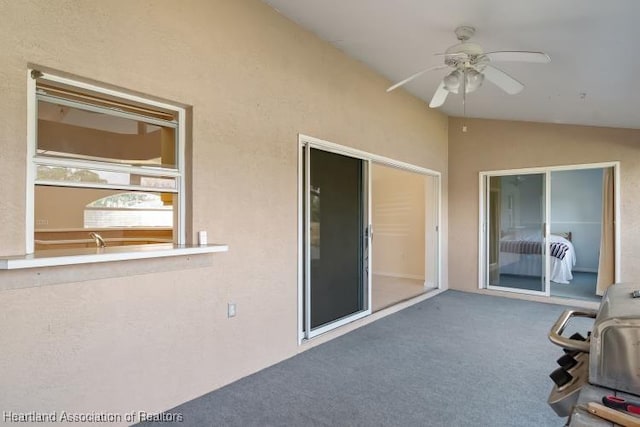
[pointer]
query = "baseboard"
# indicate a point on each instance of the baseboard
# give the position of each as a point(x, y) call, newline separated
point(569, 302)
point(398, 275)
point(585, 270)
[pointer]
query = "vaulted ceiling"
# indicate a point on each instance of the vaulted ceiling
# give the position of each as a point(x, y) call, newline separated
point(593, 77)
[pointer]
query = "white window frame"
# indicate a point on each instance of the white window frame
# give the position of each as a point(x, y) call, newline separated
point(33, 160)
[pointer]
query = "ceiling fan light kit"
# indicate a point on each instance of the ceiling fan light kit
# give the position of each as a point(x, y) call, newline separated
point(471, 66)
point(452, 81)
point(472, 80)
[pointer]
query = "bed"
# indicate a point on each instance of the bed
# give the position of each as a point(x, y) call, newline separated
point(521, 254)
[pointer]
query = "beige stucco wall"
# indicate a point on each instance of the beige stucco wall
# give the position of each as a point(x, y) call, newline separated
point(144, 340)
point(497, 145)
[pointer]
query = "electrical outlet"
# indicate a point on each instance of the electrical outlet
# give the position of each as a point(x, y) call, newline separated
point(231, 309)
point(42, 222)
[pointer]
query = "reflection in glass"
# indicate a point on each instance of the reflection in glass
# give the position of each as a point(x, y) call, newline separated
point(337, 278)
point(516, 229)
point(315, 222)
point(71, 132)
point(65, 215)
point(128, 210)
point(69, 174)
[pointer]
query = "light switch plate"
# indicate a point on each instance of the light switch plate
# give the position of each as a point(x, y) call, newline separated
point(231, 309)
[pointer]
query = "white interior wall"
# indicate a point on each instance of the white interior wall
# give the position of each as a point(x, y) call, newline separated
point(576, 206)
point(398, 215)
point(522, 201)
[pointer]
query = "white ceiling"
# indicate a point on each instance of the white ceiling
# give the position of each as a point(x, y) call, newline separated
point(593, 46)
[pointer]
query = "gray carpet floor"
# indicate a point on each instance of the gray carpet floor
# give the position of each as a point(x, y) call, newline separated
point(583, 286)
point(457, 359)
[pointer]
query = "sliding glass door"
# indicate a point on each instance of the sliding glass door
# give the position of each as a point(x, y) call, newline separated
point(336, 241)
point(515, 238)
point(550, 231)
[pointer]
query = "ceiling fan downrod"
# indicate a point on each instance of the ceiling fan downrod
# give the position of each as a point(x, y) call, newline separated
point(465, 32)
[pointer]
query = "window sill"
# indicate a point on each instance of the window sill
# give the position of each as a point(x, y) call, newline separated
point(57, 257)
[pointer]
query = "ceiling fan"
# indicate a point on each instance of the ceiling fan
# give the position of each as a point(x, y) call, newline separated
point(471, 66)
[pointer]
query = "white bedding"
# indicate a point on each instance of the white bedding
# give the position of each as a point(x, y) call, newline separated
point(533, 265)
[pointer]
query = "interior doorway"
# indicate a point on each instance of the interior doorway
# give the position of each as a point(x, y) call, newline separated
point(551, 231)
point(516, 215)
point(404, 244)
point(576, 219)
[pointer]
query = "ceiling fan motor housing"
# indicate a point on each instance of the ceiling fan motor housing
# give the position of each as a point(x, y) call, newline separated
point(462, 53)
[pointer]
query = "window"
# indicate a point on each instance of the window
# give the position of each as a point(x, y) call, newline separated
point(102, 162)
point(130, 210)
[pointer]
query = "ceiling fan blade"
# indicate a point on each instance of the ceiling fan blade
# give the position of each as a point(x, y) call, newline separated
point(413, 76)
point(439, 97)
point(503, 80)
point(518, 56)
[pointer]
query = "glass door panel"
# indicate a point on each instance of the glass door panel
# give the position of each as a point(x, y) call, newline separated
point(336, 240)
point(515, 223)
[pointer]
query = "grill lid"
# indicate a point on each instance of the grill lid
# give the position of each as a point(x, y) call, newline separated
point(618, 302)
point(615, 354)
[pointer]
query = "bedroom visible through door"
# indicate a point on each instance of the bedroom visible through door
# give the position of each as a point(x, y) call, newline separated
point(550, 231)
point(576, 221)
point(516, 220)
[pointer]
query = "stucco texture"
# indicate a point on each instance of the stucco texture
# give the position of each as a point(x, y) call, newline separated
point(252, 80)
point(490, 145)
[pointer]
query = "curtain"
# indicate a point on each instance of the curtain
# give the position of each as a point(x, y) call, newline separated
point(606, 266)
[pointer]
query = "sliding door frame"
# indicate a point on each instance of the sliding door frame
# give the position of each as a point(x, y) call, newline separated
point(483, 229)
point(305, 265)
point(304, 282)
